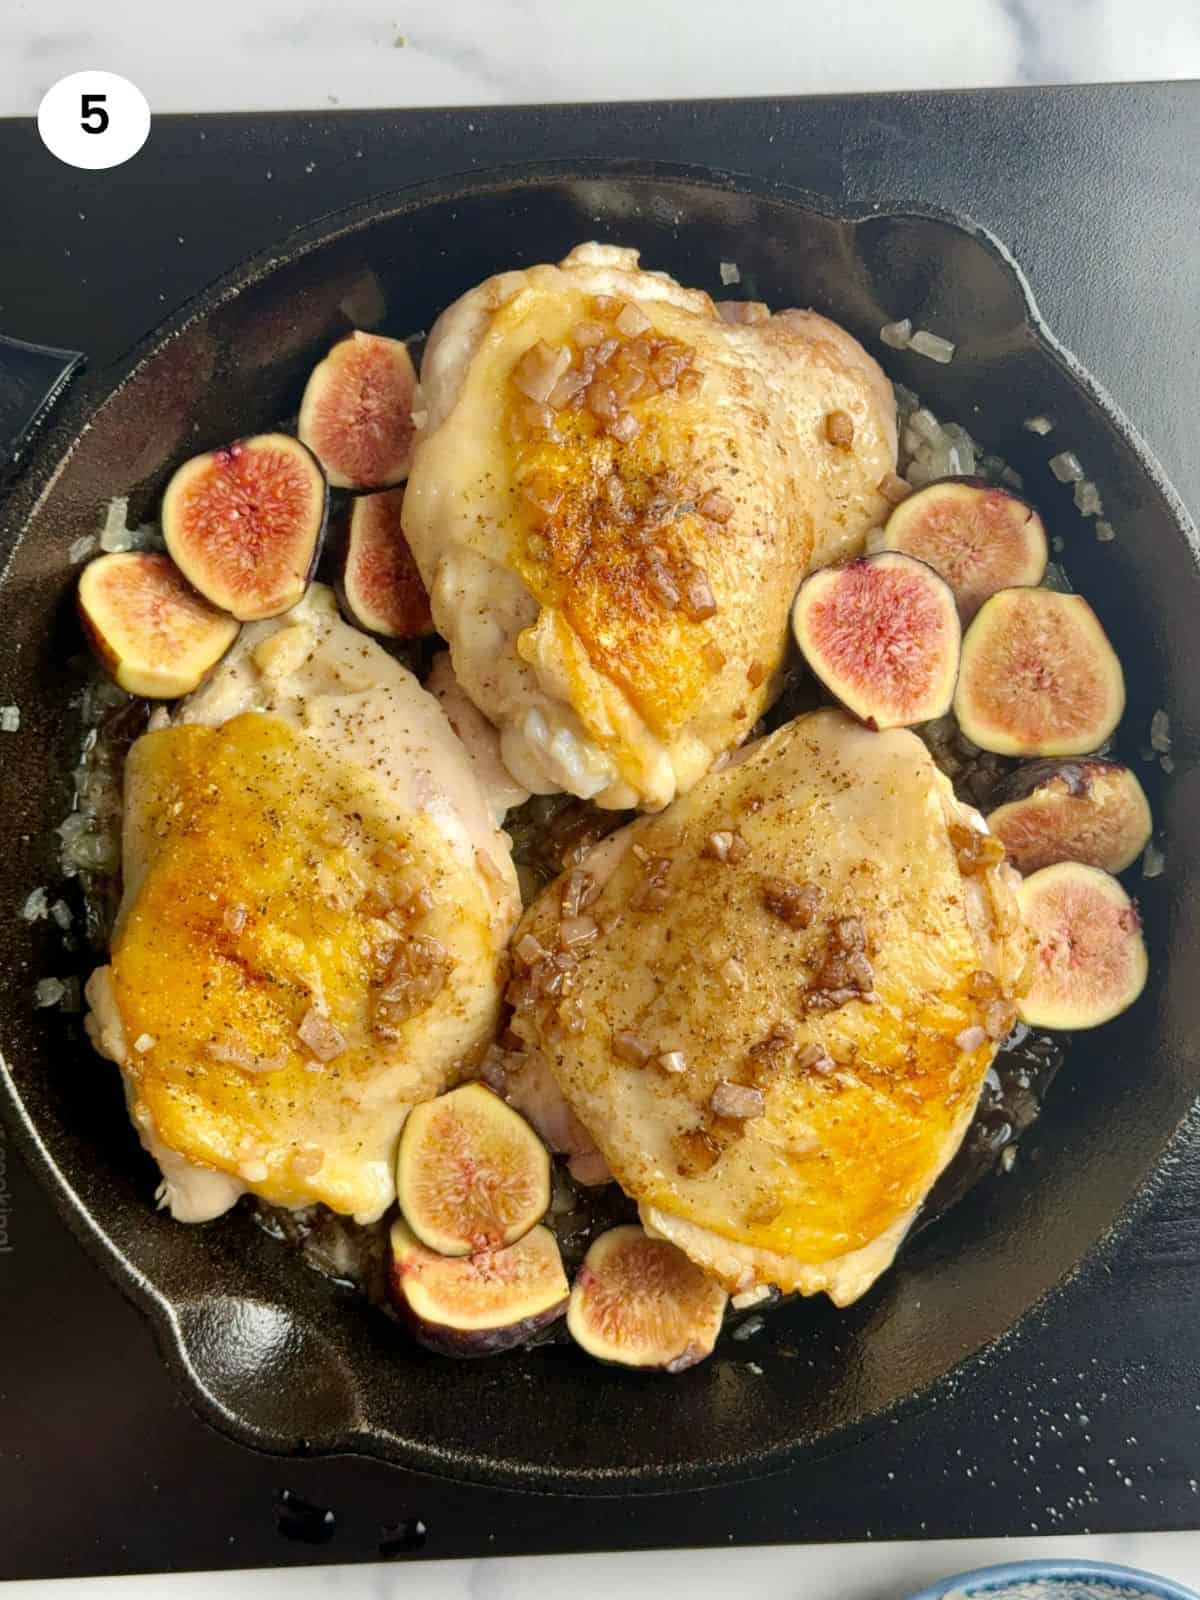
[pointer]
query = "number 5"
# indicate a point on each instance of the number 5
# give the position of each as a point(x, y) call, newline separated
point(92, 105)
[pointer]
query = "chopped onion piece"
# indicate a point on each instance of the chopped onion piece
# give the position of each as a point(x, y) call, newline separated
point(1066, 467)
point(632, 321)
point(737, 1100)
point(10, 719)
point(932, 346)
point(1160, 731)
point(626, 1046)
point(1038, 425)
point(81, 549)
point(1087, 498)
point(897, 335)
point(48, 992)
point(144, 1042)
point(673, 1061)
point(573, 931)
point(970, 1039)
point(1153, 861)
point(36, 907)
point(730, 272)
point(1105, 532)
point(319, 1034)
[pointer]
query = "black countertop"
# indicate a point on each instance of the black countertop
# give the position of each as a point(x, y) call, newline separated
point(1091, 1419)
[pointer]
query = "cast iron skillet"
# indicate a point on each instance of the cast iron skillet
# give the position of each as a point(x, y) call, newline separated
point(287, 1362)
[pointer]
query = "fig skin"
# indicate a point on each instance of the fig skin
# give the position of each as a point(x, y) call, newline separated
point(1089, 962)
point(481, 1305)
point(244, 524)
point(639, 1302)
point(887, 674)
point(979, 537)
point(1038, 676)
point(379, 587)
point(471, 1174)
point(357, 412)
point(1091, 811)
point(148, 627)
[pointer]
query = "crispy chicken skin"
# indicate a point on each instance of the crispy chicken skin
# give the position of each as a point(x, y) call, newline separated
point(777, 1013)
point(613, 571)
point(316, 903)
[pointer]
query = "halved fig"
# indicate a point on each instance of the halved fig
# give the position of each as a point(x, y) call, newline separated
point(148, 626)
point(640, 1302)
point(980, 538)
point(478, 1305)
point(883, 636)
point(471, 1174)
point(357, 412)
point(1089, 961)
point(244, 523)
point(379, 585)
point(1091, 811)
point(1038, 676)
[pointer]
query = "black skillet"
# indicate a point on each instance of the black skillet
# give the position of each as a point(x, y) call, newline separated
point(287, 1362)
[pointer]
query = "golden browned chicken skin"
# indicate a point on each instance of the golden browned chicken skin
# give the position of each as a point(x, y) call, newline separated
point(614, 497)
point(772, 1007)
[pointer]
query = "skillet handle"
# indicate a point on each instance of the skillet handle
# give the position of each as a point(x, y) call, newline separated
point(32, 376)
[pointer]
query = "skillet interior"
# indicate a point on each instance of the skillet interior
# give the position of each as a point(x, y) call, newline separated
point(287, 1362)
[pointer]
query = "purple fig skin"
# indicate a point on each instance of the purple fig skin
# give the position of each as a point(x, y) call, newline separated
point(363, 535)
point(1092, 811)
point(469, 1345)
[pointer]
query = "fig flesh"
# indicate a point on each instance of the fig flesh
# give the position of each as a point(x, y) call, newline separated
point(477, 1305)
point(379, 585)
point(150, 629)
point(1091, 811)
point(1089, 962)
point(244, 524)
point(471, 1173)
point(357, 412)
point(1038, 676)
point(882, 634)
point(978, 537)
point(640, 1302)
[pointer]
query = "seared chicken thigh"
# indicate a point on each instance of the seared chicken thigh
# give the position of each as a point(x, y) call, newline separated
point(316, 903)
point(772, 1007)
point(612, 502)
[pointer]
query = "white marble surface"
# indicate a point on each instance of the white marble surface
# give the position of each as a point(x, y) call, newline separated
point(798, 1572)
point(296, 54)
point(293, 54)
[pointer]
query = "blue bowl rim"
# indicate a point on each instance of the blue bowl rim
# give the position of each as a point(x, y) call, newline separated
point(994, 1579)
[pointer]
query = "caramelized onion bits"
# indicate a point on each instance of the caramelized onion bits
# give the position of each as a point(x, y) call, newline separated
point(632, 320)
point(586, 335)
point(712, 656)
point(999, 1019)
point(699, 602)
point(844, 973)
point(673, 1061)
point(575, 931)
point(714, 505)
point(415, 978)
point(578, 891)
point(625, 428)
point(654, 894)
point(893, 488)
point(627, 1047)
point(796, 904)
point(606, 305)
point(745, 311)
point(717, 845)
point(974, 849)
point(736, 1100)
point(539, 369)
point(970, 1039)
point(815, 1058)
point(839, 429)
point(664, 584)
point(320, 1035)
